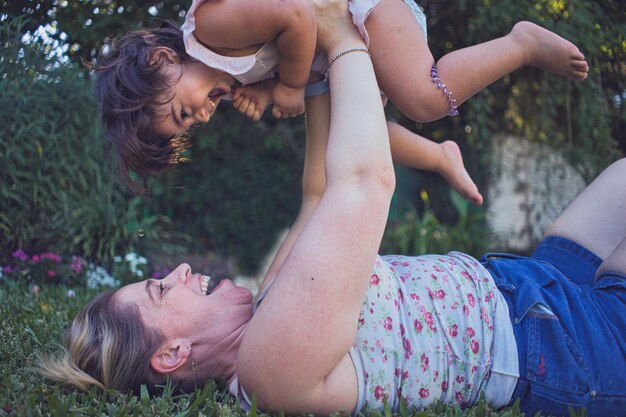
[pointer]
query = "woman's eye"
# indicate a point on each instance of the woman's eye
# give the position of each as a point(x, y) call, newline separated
point(161, 288)
point(183, 115)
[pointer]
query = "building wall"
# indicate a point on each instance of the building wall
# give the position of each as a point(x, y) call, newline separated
point(530, 186)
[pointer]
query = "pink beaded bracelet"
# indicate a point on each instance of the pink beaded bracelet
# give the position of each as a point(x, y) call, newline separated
point(452, 107)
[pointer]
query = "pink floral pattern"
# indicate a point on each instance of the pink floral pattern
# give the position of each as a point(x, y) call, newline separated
point(423, 330)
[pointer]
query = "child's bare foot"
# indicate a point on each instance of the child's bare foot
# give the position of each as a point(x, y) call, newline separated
point(550, 52)
point(253, 99)
point(453, 170)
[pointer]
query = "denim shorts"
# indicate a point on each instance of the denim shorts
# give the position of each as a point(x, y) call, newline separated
point(569, 327)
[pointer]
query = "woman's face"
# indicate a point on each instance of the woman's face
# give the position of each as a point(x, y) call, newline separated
point(178, 307)
point(197, 91)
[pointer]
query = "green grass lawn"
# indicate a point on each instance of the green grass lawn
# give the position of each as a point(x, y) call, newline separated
point(33, 324)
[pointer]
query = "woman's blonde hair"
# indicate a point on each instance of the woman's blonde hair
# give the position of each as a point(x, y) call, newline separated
point(107, 346)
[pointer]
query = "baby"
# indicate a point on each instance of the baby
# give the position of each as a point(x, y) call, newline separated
point(269, 47)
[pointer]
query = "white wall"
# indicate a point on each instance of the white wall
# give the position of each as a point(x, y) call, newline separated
point(530, 186)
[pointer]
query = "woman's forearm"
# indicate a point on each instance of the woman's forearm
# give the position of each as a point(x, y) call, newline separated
point(313, 178)
point(358, 140)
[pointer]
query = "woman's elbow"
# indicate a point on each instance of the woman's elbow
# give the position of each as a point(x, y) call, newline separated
point(381, 178)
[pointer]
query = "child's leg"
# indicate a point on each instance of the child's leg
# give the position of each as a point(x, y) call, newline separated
point(595, 219)
point(403, 61)
point(413, 150)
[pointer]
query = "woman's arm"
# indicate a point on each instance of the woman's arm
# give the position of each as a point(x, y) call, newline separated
point(313, 178)
point(308, 320)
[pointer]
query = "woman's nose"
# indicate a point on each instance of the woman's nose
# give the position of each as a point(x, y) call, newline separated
point(182, 273)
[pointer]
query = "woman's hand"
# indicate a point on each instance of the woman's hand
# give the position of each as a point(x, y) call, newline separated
point(334, 25)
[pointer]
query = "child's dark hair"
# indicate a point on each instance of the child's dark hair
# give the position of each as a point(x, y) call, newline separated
point(129, 88)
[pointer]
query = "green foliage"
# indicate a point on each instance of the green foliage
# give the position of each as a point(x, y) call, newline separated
point(418, 234)
point(42, 268)
point(84, 24)
point(34, 325)
point(241, 186)
point(583, 120)
point(56, 184)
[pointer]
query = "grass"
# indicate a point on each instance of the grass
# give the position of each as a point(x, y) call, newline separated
point(32, 324)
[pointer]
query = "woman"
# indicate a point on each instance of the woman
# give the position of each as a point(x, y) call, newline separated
point(338, 328)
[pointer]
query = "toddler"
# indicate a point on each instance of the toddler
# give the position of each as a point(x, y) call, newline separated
point(269, 47)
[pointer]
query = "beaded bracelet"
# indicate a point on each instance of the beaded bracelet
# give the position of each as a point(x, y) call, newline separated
point(452, 107)
point(339, 55)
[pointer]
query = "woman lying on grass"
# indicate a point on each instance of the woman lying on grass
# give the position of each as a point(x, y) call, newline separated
point(339, 328)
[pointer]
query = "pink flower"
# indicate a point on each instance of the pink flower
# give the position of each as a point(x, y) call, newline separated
point(458, 396)
point(471, 300)
point(51, 257)
point(465, 310)
point(424, 362)
point(35, 259)
point(387, 323)
point(401, 330)
point(453, 330)
point(397, 372)
point(460, 378)
point(51, 273)
point(374, 280)
point(424, 392)
point(406, 344)
point(470, 332)
point(466, 275)
point(77, 264)
point(379, 392)
point(20, 254)
point(418, 326)
point(474, 345)
point(444, 385)
point(440, 294)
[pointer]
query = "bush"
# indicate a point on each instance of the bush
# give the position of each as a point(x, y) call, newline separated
point(240, 188)
point(57, 190)
point(419, 234)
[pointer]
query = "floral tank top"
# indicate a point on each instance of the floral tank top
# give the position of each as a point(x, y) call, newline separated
point(426, 333)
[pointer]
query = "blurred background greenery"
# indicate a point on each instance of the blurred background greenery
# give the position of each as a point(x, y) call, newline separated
point(58, 191)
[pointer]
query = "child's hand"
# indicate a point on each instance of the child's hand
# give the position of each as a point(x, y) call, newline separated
point(253, 99)
point(288, 101)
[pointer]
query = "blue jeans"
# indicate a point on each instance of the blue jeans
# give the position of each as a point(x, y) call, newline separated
point(570, 329)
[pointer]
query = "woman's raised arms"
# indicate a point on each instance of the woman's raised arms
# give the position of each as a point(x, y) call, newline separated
point(308, 320)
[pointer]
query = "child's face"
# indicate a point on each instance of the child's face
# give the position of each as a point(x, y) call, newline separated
point(194, 97)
